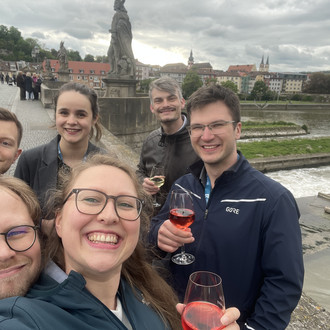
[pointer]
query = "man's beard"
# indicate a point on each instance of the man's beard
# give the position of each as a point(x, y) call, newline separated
point(20, 284)
point(169, 120)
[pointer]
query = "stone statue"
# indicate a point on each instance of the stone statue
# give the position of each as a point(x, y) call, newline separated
point(62, 57)
point(48, 75)
point(120, 52)
point(48, 67)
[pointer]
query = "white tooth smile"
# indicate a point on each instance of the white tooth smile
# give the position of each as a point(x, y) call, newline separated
point(209, 147)
point(103, 238)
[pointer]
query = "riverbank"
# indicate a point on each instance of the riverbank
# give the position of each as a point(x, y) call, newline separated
point(315, 227)
point(269, 132)
point(284, 106)
point(271, 164)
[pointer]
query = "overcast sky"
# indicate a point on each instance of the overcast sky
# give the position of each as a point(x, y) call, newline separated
point(295, 34)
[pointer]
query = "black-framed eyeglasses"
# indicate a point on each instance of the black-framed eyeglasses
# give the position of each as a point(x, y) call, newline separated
point(21, 238)
point(93, 202)
point(215, 128)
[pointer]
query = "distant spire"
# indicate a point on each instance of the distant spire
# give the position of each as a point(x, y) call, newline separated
point(190, 60)
point(267, 63)
point(262, 60)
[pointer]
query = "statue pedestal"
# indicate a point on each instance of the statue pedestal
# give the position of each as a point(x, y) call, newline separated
point(120, 87)
point(63, 76)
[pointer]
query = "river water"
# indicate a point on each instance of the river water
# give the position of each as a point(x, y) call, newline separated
point(317, 120)
point(307, 181)
point(303, 183)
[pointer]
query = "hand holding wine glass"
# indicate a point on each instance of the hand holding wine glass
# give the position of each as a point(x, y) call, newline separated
point(205, 302)
point(157, 176)
point(182, 215)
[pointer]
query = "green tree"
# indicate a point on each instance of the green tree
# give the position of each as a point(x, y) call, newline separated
point(73, 55)
point(89, 58)
point(101, 59)
point(230, 85)
point(14, 34)
point(319, 83)
point(144, 85)
point(191, 83)
point(259, 90)
point(210, 81)
point(54, 53)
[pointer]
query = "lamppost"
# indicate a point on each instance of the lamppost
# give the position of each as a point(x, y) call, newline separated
point(35, 53)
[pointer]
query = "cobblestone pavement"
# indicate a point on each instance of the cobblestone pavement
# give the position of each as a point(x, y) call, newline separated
point(37, 123)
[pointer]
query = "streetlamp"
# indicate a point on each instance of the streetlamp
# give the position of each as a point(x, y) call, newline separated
point(35, 52)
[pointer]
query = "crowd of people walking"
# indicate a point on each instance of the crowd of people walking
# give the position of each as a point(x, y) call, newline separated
point(10, 80)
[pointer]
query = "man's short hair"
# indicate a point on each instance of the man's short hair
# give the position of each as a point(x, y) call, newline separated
point(6, 115)
point(165, 84)
point(25, 193)
point(211, 94)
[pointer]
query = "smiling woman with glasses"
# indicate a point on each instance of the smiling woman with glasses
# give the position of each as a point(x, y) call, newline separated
point(98, 275)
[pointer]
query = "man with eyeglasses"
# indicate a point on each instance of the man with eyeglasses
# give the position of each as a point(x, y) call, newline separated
point(170, 144)
point(246, 226)
point(20, 256)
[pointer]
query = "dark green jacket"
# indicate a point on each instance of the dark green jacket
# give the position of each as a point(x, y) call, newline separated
point(69, 305)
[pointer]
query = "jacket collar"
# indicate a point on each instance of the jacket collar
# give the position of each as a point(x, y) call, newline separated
point(199, 171)
point(169, 137)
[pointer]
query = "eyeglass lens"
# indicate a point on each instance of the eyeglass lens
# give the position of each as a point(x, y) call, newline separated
point(215, 128)
point(21, 238)
point(93, 202)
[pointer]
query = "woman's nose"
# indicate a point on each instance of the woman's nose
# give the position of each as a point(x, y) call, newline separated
point(109, 214)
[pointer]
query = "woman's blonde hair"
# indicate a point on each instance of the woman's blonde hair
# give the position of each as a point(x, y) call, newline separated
point(136, 270)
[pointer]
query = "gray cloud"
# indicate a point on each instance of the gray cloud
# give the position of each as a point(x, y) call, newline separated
point(293, 33)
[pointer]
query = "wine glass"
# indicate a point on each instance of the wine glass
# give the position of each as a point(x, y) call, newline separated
point(205, 302)
point(182, 215)
point(157, 176)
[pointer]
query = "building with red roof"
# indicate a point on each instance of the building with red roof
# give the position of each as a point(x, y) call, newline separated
point(87, 73)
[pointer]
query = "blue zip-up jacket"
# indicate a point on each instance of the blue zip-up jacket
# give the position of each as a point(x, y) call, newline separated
point(249, 234)
point(69, 305)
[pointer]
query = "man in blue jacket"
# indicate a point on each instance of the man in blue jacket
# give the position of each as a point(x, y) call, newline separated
point(246, 225)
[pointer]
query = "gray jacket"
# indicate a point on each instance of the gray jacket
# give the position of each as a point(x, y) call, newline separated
point(38, 167)
point(173, 151)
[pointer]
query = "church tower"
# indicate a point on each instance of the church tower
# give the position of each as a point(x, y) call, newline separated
point(190, 60)
point(267, 65)
point(262, 65)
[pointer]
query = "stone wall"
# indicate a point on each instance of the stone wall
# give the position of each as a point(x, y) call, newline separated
point(269, 164)
point(48, 91)
point(129, 119)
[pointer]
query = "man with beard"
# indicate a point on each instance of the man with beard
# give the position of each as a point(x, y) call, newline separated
point(170, 144)
point(20, 254)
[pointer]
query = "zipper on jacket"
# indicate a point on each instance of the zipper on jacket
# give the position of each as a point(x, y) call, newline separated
point(206, 213)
